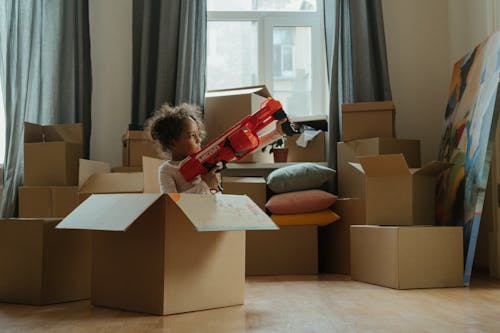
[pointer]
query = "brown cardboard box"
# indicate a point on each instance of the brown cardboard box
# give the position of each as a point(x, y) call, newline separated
point(407, 257)
point(254, 187)
point(350, 182)
point(224, 108)
point(395, 194)
point(290, 250)
point(95, 178)
point(166, 254)
point(51, 154)
point(136, 144)
point(42, 265)
point(47, 201)
point(315, 151)
point(367, 120)
point(151, 176)
point(334, 239)
point(124, 169)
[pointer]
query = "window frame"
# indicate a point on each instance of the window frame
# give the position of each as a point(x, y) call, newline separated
point(265, 23)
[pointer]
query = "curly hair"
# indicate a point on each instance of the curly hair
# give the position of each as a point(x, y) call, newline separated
point(167, 123)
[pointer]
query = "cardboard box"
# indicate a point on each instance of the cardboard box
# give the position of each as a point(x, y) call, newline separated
point(397, 195)
point(288, 251)
point(224, 108)
point(95, 178)
point(137, 144)
point(166, 254)
point(42, 265)
point(151, 174)
point(350, 182)
point(51, 154)
point(334, 239)
point(368, 120)
point(407, 257)
point(47, 201)
point(125, 169)
point(315, 151)
point(254, 187)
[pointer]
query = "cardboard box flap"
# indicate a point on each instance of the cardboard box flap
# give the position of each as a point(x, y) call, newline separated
point(72, 133)
point(432, 168)
point(108, 212)
point(150, 168)
point(357, 166)
point(87, 168)
point(384, 165)
point(368, 106)
point(260, 90)
point(222, 212)
point(127, 182)
point(316, 122)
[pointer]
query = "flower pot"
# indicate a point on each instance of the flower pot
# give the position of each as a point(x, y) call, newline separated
point(280, 155)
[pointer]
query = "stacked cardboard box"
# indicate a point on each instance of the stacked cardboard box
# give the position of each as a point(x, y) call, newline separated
point(41, 265)
point(135, 145)
point(390, 246)
point(310, 145)
point(289, 250)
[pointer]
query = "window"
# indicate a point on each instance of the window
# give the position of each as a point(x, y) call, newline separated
point(279, 43)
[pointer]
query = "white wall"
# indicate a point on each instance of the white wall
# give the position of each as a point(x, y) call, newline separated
point(111, 51)
point(419, 68)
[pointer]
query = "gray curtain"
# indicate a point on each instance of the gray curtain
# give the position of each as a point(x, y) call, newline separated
point(169, 57)
point(356, 58)
point(45, 73)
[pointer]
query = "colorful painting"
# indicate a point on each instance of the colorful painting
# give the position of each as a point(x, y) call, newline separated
point(467, 141)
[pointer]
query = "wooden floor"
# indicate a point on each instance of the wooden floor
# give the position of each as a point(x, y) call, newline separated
point(328, 303)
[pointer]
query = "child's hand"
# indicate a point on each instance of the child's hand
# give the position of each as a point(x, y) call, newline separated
point(211, 178)
point(278, 126)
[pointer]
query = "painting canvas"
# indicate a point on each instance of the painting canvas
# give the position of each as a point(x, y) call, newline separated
point(467, 141)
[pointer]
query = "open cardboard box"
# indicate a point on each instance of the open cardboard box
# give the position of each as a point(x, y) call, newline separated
point(51, 154)
point(96, 178)
point(395, 194)
point(350, 181)
point(166, 254)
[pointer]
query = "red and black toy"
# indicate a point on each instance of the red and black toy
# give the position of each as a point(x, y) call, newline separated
point(236, 142)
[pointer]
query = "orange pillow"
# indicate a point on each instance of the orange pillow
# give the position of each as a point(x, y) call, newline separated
point(323, 217)
point(299, 202)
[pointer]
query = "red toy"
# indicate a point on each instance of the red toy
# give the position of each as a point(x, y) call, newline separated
point(236, 142)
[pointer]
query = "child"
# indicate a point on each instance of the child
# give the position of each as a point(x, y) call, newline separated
point(179, 130)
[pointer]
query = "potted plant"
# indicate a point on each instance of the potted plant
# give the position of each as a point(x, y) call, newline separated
point(277, 148)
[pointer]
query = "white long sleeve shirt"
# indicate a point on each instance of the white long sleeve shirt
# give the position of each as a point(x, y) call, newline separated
point(171, 180)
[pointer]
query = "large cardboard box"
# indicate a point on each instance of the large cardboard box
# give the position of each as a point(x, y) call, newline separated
point(367, 120)
point(166, 254)
point(51, 154)
point(407, 257)
point(224, 108)
point(47, 201)
point(136, 144)
point(334, 239)
point(95, 178)
point(42, 265)
point(350, 182)
point(254, 187)
point(395, 194)
point(288, 251)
